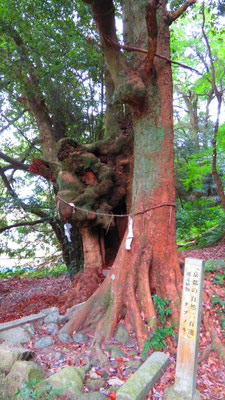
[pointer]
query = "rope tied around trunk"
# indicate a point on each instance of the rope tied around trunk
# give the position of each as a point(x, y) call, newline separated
point(115, 215)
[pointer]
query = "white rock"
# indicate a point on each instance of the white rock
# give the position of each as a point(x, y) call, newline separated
point(115, 381)
point(93, 374)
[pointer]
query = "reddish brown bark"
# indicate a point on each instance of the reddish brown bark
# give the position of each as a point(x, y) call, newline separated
point(151, 266)
point(91, 249)
point(42, 168)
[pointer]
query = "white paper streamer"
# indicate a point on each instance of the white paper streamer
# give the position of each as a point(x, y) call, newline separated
point(67, 228)
point(130, 234)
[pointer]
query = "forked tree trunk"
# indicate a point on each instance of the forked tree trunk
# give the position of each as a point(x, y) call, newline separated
point(151, 266)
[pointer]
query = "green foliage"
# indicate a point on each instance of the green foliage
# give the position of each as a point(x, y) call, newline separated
point(174, 4)
point(53, 44)
point(161, 307)
point(219, 267)
point(157, 339)
point(200, 220)
point(198, 209)
point(40, 272)
point(196, 169)
point(28, 391)
point(57, 42)
point(216, 300)
point(210, 265)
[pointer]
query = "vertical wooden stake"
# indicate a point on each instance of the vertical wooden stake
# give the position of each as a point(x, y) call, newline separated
point(190, 319)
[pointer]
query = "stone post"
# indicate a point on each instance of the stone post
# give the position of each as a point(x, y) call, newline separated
point(190, 319)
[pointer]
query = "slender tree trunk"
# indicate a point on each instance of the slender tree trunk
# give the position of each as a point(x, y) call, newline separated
point(214, 156)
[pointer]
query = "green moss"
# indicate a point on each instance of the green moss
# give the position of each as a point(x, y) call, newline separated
point(147, 143)
point(63, 142)
point(74, 186)
point(106, 299)
point(129, 91)
point(88, 161)
point(87, 198)
point(119, 144)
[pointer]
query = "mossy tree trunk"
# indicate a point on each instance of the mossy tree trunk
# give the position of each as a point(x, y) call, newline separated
point(145, 83)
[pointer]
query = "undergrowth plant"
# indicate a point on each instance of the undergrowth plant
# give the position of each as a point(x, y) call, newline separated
point(200, 220)
point(157, 339)
point(28, 391)
point(219, 268)
point(217, 300)
point(26, 272)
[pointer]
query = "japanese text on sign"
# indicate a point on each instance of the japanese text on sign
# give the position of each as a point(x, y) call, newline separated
point(190, 303)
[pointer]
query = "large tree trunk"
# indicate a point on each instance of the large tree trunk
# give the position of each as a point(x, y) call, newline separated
point(151, 266)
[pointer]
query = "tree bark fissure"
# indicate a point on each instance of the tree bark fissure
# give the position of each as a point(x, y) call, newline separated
point(151, 266)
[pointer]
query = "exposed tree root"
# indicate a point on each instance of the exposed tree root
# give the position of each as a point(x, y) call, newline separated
point(83, 286)
point(125, 294)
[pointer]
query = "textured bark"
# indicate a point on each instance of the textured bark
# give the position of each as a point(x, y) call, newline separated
point(151, 266)
point(91, 249)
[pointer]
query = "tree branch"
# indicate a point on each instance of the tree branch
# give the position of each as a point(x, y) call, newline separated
point(218, 94)
point(144, 51)
point(15, 163)
point(32, 143)
point(129, 89)
point(23, 205)
point(176, 14)
point(31, 223)
point(55, 225)
point(32, 99)
point(14, 120)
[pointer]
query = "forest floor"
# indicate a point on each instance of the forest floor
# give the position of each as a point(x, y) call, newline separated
point(21, 297)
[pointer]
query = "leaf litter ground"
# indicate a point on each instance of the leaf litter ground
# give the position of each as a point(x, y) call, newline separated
point(22, 297)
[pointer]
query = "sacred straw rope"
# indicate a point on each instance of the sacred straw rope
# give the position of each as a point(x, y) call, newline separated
point(115, 215)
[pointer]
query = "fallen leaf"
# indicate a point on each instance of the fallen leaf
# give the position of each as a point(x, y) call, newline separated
point(112, 395)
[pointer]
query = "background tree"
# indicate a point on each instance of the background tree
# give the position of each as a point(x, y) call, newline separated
point(198, 105)
point(67, 88)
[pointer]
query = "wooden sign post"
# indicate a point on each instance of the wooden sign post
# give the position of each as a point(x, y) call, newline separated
point(190, 319)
